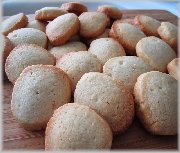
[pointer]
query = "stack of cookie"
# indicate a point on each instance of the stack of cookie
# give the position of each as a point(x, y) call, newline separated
point(84, 75)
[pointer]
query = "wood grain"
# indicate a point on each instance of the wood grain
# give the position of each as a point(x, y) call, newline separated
point(136, 137)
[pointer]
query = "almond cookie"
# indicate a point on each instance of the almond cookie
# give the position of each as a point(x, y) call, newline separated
point(173, 67)
point(13, 23)
point(74, 46)
point(110, 11)
point(109, 98)
point(26, 55)
point(74, 7)
point(61, 29)
point(126, 69)
point(29, 36)
point(37, 25)
point(92, 24)
point(147, 24)
point(38, 91)
point(169, 33)
point(127, 35)
point(75, 64)
point(156, 100)
point(155, 52)
point(49, 13)
point(76, 126)
point(106, 48)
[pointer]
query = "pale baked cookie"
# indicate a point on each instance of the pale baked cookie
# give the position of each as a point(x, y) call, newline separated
point(92, 24)
point(6, 47)
point(37, 25)
point(169, 33)
point(106, 48)
point(13, 23)
point(26, 55)
point(126, 69)
point(173, 68)
point(49, 13)
point(75, 64)
point(155, 52)
point(61, 29)
point(109, 98)
point(38, 91)
point(28, 35)
point(74, 7)
point(73, 46)
point(156, 98)
point(147, 24)
point(110, 11)
point(76, 126)
point(127, 35)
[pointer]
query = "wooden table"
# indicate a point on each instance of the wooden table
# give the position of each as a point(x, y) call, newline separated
point(136, 137)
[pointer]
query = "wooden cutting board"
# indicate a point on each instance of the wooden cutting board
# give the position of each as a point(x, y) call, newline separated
point(136, 137)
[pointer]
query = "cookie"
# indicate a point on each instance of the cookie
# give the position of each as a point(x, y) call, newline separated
point(6, 47)
point(156, 99)
point(169, 33)
point(147, 24)
point(73, 46)
point(38, 91)
point(106, 48)
point(13, 23)
point(110, 11)
point(155, 52)
point(126, 69)
point(74, 7)
point(127, 35)
point(77, 127)
point(26, 55)
point(28, 35)
point(109, 98)
point(37, 25)
point(172, 68)
point(75, 64)
point(92, 24)
point(49, 13)
point(61, 29)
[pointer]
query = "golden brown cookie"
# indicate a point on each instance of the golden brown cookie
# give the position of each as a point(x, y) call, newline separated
point(173, 68)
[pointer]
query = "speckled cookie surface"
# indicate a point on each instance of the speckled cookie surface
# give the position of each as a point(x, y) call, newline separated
point(76, 126)
point(173, 68)
point(156, 102)
point(30, 104)
point(37, 25)
point(109, 98)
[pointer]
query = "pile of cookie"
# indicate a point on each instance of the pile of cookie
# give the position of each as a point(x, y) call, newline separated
point(83, 75)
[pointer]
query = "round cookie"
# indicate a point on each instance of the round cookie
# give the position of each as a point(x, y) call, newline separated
point(74, 7)
point(109, 98)
point(172, 68)
point(13, 23)
point(76, 126)
point(61, 29)
point(155, 52)
point(127, 35)
point(37, 25)
point(92, 24)
point(75, 64)
point(147, 24)
point(126, 69)
point(156, 99)
point(169, 33)
point(106, 48)
point(110, 11)
point(38, 91)
point(28, 35)
point(74, 46)
point(49, 13)
point(26, 55)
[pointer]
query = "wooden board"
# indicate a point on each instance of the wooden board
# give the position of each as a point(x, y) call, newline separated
point(136, 137)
